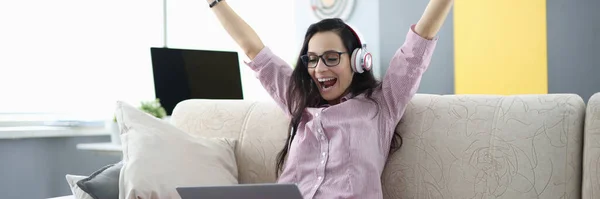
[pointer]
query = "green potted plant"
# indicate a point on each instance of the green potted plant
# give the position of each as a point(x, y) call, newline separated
point(153, 108)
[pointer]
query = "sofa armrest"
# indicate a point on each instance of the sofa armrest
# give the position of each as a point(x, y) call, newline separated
point(591, 151)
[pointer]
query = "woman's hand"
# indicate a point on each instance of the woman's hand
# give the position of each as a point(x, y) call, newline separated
point(433, 18)
point(238, 29)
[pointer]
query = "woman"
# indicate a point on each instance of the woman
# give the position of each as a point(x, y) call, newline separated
point(342, 119)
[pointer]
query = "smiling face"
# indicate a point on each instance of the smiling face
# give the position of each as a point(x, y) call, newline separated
point(334, 80)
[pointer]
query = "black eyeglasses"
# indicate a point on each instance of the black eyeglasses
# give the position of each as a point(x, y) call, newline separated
point(330, 58)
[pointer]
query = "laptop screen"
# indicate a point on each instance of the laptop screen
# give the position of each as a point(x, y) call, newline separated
point(181, 74)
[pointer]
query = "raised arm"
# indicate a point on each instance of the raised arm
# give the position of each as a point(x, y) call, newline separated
point(237, 28)
point(412, 59)
point(432, 19)
point(272, 71)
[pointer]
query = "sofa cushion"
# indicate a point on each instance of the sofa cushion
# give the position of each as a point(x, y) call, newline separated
point(158, 157)
point(103, 183)
point(488, 146)
point(77, 192)
point(260, 127)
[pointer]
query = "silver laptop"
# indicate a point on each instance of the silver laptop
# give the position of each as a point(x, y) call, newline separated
point(245, 191)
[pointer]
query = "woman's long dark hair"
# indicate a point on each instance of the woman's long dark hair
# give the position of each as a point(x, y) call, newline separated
point(303, 92)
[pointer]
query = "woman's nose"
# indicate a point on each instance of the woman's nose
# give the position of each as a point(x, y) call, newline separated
point(321, 66)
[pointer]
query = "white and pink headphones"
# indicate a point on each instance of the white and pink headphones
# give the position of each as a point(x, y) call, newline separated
point(361, 59)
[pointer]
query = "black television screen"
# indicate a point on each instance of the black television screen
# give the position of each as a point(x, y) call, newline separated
point(181, 74)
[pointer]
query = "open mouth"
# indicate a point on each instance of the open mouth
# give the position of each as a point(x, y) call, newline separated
point(327, 83)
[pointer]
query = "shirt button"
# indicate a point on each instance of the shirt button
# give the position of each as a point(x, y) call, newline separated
point(316, 185)
point(319, 177)
point(322, 161)
point(320, 131)
point(317, 114)
point(323, 154)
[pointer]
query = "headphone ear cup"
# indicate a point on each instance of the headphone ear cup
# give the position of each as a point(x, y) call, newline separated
point(355, 60)
point(368, 61)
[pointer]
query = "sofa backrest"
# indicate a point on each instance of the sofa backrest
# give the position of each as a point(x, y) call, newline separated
point(454, 146)
point(259, 127)
point(591, 155)
point(487, 146)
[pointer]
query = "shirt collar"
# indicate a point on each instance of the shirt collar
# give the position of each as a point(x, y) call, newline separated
point(343, 99)
point(346, 97)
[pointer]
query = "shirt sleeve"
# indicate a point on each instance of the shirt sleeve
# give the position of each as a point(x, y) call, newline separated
point(403, 76)
point(274, 74)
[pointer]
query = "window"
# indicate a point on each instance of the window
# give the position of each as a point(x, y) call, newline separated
point(79, 57)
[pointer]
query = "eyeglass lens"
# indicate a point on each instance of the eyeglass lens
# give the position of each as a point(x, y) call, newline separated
point(329, 58)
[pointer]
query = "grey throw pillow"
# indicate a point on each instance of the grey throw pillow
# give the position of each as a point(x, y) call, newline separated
point(104, 183)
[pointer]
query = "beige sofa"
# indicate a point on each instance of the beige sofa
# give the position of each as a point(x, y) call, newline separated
point(455, 146)
point(591, 149)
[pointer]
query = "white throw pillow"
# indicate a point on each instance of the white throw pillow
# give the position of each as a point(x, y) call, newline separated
point(158, 157)
point(77, 192)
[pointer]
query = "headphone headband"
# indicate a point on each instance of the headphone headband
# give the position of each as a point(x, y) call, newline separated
point(358, 37)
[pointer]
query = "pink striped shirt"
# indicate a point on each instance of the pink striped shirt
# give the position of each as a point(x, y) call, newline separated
point(340, 151)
